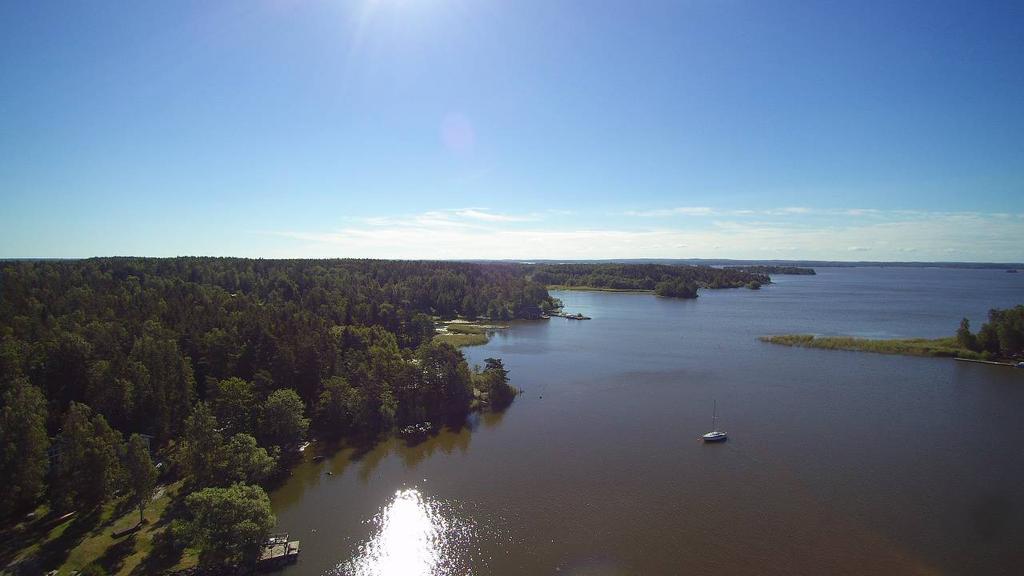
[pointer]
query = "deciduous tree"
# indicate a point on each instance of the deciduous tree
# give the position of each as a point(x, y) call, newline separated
point(233, 403)
point(242, 460)
point(228, 524)
point(338, 406)
point(283, 422)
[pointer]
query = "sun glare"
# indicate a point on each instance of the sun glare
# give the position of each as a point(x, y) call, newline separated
point(414, 537)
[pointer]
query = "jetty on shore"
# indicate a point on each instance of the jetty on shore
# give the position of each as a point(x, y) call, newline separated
point(278, 551)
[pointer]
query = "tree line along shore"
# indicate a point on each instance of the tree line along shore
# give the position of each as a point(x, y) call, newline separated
point(662, 279)
point(181, 388)
point(1001, 339)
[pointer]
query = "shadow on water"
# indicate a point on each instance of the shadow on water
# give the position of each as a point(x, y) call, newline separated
point(413, 450)
point(368, 453)
point(489, 420)
point(333, 458)
point(447, 440)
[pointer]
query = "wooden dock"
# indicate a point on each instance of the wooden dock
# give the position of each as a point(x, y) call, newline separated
point(278, 551)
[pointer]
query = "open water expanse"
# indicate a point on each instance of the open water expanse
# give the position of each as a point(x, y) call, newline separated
point(837, 462)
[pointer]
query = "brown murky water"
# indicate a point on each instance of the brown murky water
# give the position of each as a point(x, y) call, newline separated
point(837, 463)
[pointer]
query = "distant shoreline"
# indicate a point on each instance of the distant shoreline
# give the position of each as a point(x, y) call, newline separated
point(725, 262)
point(597, 289)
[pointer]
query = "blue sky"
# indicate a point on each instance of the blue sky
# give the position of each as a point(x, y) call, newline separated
point(486, 129)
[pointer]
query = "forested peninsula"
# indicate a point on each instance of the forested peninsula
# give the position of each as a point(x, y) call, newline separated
point(677, 281)
point(180, 387)
point(1001, 339)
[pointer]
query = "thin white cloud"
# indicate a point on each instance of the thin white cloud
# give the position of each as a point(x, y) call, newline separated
point(787, 211)
point(860, 212)
point(492, 217)
point(444, 235)
point(709, 211)
point(679, 211)
point(457, 218)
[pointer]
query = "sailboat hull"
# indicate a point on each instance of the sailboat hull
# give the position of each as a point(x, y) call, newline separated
point(715, 436)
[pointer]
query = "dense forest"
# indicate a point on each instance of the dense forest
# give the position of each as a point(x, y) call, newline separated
point(222, 365)
point(140, 339)
point(663, 279)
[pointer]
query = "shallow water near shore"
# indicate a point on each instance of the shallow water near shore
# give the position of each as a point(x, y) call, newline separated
point(837, 462)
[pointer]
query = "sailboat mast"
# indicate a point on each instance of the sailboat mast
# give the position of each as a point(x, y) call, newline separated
point(714, 417)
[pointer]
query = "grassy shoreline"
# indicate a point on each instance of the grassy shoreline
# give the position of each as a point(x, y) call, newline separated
point(461, 334)
point(934, 347)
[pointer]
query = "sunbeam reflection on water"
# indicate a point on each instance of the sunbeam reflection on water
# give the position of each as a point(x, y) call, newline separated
point(414, 536)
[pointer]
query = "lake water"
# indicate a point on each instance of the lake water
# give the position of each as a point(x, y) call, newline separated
point(837, 462)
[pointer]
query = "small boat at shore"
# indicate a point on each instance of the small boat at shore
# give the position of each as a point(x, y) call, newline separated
point(715, 435)
point(416, 430)
point(567, 316)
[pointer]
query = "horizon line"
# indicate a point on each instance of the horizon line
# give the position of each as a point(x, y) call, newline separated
point(648, 260)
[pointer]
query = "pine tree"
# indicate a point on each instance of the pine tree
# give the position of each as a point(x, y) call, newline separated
point(202, 446)
point(23, 446)
point(141, 473)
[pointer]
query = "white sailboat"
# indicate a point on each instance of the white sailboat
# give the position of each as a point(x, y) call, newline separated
point(715, 435)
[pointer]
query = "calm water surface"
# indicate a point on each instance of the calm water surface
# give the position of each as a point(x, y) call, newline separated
point(837, 462)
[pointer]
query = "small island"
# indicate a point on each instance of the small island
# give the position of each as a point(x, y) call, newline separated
point(1000, 340)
